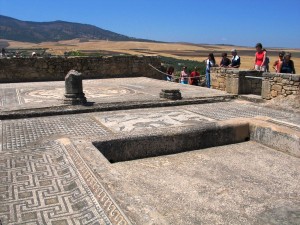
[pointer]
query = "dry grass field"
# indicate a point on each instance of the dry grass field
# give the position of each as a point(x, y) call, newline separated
point(176, 50)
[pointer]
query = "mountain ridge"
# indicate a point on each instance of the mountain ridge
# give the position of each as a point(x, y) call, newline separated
point(37, 32)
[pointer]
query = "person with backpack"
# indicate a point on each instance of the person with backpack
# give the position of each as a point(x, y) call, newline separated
point(267, 61)
point(210, 62)
point(287, 65)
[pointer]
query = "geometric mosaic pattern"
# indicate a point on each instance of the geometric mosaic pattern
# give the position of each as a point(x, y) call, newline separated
point(43, 186)
point(19, 133)
point(43, 181)
point(102, 197)
point(137, 120)
point(40, 95)
point(229, 110)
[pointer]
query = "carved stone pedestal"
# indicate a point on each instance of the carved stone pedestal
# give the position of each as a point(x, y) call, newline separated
point(74, 92)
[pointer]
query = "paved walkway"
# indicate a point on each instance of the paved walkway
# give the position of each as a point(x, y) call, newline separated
point(50, 173)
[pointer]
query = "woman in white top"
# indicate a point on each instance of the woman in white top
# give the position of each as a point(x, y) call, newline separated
point(210, 61)
point(184, 76)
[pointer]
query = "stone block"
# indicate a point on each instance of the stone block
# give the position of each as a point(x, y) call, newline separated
point(222, 86)
point(277, 87)
point(295, 77)
point(268, 75)
point(278, 79)
point(232, 85)
point(265, 90)
point(274, 93)
point(291, 88)
point(287, 76)
point(221, 79)
point(172, 94)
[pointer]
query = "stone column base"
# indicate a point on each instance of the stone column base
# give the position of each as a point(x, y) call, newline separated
point(75, 99)
point(174, 94)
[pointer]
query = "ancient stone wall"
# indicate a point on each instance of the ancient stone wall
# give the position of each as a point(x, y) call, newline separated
point(55, 69)
point(236, 81)
point(268, 85)
point(280, 84)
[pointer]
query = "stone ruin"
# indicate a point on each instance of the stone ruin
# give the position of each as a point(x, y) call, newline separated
point(172, 94)
point(73, 86)
point(266, 85)
point(206, 159)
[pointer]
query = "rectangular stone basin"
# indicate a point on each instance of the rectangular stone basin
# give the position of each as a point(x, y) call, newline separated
point(173, 141)
point(167, 142)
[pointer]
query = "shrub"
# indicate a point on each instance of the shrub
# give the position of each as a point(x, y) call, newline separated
point(179, 63)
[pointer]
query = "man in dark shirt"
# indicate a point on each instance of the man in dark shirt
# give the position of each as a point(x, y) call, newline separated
point(225, 62)
point(236, 60)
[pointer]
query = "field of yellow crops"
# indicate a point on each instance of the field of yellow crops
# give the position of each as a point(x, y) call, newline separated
point(176, 50)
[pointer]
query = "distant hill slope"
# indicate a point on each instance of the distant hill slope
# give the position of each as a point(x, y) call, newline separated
point(35, 32)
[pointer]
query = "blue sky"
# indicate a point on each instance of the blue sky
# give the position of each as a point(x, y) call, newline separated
point(275, 23)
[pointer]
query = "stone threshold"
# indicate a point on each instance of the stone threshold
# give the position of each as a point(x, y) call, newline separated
point(101, 107)
point(252, 98)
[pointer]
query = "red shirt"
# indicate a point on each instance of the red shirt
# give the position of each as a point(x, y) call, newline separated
point(194, 76)
point(259, 58)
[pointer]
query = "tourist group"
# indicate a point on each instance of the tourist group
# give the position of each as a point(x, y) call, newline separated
point(284, 64)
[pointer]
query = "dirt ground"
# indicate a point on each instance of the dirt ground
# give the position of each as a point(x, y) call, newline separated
point(176, 50)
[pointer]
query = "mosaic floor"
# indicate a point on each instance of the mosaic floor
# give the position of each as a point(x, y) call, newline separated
point(46, 175)
point(31, 95)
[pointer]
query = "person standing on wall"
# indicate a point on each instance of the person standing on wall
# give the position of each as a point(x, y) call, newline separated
point(210, 62)
point(287, 65)
point(260, 58)
point(236, 60)
point(184, 76)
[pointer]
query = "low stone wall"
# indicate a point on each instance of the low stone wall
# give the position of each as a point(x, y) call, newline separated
point(55, 69)
point(236, 81)
point(268, 85)
point(280, 84)
point(218, 77)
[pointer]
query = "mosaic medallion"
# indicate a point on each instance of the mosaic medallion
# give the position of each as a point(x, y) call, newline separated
point(94, 92)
